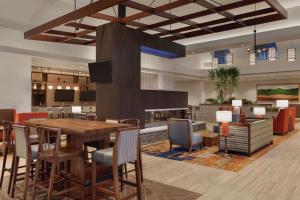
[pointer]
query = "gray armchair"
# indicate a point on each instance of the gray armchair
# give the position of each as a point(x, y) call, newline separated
point(180, 132)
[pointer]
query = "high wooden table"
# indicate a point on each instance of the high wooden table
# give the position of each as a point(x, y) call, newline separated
point(79, 132)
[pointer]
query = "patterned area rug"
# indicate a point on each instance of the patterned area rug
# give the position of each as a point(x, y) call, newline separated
point(151, 190)
point(210, 156)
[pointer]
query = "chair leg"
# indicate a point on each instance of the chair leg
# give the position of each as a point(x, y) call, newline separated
point(5, 152)
point(51, 183)
point(116, 182)
point(37, 171)
point(126, 171)
point(141, 165)
point(94, 177)
point(11, 174)
point(26, 180)
point(138, 179)
point(15, 174)
point(190, 149)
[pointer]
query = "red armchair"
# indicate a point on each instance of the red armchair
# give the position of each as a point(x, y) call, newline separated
point(21, 117)
point(281, 122)
point(292, 118)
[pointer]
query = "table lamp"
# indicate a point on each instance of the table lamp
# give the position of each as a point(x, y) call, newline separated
point(282, 103)
point(224, 117)
point(259, 111)
point(237, 104)
point(76, 109)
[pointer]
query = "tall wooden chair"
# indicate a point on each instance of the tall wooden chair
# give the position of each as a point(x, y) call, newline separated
point(8, 147)
point(55, 154)
point(134, 123)
point(125, 150)
point(23, 150)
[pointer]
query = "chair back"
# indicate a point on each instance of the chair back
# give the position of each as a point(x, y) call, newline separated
point(131, 121)
point(23, 148)
point(180, 131)
point(280, 123)
point(7, 125)
point(126, 147)
point(49, 141)
point(8, 115)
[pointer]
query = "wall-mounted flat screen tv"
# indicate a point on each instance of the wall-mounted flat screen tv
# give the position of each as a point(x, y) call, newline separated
point(89, 95)
point(101, 71)
point(64, 95)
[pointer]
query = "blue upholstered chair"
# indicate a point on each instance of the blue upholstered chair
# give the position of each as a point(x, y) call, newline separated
point(181, 133)
point(125, 150)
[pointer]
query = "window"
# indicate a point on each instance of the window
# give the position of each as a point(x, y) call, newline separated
point(263, 51)
point(221, 56)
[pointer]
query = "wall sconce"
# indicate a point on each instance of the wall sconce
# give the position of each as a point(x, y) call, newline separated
point(50, 87)
point(272, 53)
point(68, 87)
point(252, 58)
point(59, 87)
point(75, 88)
point(229, 59)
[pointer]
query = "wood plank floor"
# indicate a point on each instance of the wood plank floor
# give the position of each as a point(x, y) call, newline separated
point(274, 176)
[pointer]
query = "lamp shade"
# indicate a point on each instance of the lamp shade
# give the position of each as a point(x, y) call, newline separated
point(282, 103)
point(259, 111)
point(237, 103)
point(76, 109)
point(224, 116)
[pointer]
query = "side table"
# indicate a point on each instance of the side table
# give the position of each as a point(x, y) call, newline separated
point(210, 139)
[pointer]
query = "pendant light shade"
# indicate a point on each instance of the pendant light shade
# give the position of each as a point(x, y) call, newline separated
point(229, 58)
point(272, 53)
point(215, 62)
point(252, 58)
point(291, 54)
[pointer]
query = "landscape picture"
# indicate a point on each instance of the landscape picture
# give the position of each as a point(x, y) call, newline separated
point(276, 92)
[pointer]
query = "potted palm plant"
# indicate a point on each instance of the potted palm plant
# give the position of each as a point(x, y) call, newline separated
point(225, 81)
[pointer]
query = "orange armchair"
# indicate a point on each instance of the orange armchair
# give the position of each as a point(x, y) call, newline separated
point(292, 118)
point(281, 122)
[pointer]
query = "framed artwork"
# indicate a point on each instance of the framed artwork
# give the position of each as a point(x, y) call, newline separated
point(276, 92)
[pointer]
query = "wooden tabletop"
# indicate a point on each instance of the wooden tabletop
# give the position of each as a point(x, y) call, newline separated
point(77, 126)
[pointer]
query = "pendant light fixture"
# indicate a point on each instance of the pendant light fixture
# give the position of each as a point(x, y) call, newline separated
point(272, 53)
point(252, 54)
point(291, 53)
point(229, 58)
point(215, 63)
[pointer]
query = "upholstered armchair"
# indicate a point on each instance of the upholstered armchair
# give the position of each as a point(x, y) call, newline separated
point(181, 133)
point(281, 122)
point(292, 118)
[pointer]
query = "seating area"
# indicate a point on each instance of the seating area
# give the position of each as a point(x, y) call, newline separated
point(149, 100)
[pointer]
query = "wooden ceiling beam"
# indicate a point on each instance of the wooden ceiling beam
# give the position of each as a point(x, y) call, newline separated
point(147, 11)
point(234, 25)
point(217, 21)
point(278, 7)
point(212, 7)
point(72, 16)
point(82, 26)
point(105, 17)
point(159, 12)
point(230, 6)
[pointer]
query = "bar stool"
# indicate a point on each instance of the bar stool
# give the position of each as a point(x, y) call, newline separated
point(125, 150)
point(24, 150)
point(8, 147)
point(134, 123)
point(55, 155)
